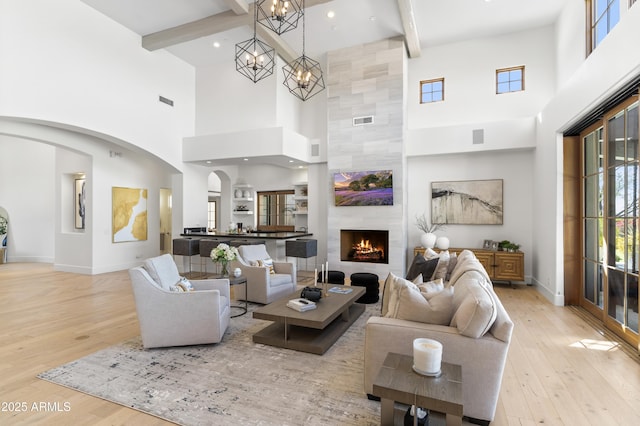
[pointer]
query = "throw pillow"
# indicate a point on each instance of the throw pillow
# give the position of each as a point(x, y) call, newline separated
point(268, 263)
point(421, 265)
point(476, 312)
point(453, 261)
point(442, 266)
point(412, 305)
point(430, 288)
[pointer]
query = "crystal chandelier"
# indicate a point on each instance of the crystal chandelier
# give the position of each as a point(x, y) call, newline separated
point(255, 59)
point(303, 76)
point(279, 16)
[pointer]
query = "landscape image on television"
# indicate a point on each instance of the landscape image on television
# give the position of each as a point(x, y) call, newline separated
point(364, 188)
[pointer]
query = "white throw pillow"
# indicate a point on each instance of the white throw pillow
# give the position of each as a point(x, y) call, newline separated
point(475, 309)
point(409, 303)
point(268, 263)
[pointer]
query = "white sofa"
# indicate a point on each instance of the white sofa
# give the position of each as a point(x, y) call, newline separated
point(264, 286)
point(482, 358)
point(172, 318)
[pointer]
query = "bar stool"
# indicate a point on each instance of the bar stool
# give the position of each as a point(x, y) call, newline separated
point(186, 247)
point(301, 248)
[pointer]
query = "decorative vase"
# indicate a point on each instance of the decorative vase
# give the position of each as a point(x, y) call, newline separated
point(442, 243)
point(428, 240)
point(237, 272)
point(224, 270)
point(237, 193)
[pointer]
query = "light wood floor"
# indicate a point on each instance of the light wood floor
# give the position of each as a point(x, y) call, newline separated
point(560, 371)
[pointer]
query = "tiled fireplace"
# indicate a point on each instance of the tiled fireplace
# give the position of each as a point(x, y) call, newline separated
point(364, 245)
point(362, 81)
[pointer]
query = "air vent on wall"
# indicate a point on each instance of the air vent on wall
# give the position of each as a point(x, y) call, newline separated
point(361, 121)
point(478, 136)
point(166, 101)
point(315, 150)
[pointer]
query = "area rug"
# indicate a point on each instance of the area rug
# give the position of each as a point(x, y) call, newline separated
point(233, 382)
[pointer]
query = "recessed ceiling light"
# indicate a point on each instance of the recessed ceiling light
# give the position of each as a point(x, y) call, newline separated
point(291, 161)
point(209, 161)
point(216, 44)
point(245, 159)
point(372, 18)
point(331, 14)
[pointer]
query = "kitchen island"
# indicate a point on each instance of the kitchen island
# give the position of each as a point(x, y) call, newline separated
point(273, 240)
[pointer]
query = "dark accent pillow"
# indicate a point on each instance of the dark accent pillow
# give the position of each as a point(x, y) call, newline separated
point(420, 265)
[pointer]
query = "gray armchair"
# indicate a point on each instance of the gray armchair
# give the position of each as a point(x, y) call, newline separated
point(171, 318)
point(263, 286)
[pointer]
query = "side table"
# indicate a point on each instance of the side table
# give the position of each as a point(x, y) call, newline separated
point(396, 381)
point(238, 281)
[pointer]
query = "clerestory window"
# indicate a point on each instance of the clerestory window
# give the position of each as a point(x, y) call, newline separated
point(602, 15)
point(432, 90)
point(510, 80)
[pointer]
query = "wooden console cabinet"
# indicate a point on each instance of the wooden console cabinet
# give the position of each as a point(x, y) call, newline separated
point(500, 265)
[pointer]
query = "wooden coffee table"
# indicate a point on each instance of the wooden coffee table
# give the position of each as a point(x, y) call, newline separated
point(396, 381)
point(312, 331)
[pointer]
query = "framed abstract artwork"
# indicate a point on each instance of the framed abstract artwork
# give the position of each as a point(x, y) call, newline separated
point(471, 202)
point(129, 221)
point(80, 209)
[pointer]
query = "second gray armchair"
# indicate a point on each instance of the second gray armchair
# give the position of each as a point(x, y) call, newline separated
point(264, 286)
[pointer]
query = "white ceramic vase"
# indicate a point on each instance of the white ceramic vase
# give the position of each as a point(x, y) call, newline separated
point(237, 272)
point(428, 240)
point(442, 243)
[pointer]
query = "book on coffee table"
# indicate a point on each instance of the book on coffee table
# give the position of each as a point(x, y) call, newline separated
point(340, 290)
point(301, 305)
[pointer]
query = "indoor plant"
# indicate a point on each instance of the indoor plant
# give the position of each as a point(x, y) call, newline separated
point(428, 238)
point(223, 254)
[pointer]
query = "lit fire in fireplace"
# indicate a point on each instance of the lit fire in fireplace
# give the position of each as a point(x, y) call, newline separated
point(364, 250)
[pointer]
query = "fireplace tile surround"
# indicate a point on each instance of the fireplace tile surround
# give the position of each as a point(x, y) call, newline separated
point(368, 80)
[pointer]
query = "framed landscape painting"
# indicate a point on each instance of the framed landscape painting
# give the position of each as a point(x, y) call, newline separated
point(471, 202)
point(369, 188)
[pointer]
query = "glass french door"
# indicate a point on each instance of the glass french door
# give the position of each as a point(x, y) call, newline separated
point(611, 220)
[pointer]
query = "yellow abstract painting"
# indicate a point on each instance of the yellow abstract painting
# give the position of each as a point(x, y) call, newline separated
point(129, 221)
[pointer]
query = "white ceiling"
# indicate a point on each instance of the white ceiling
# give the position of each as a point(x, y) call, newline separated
point(356, 22)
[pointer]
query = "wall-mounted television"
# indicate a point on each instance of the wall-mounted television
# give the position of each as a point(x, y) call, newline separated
point(369, 188)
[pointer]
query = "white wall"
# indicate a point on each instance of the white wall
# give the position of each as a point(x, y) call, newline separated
point(515, 168)
point(64, 62)
point(469, 71)
point(27, 193)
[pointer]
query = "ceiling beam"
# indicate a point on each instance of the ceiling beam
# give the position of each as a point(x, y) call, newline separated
point(240, 7)
point(272, 39)
point(205, 27)
point(411, 38)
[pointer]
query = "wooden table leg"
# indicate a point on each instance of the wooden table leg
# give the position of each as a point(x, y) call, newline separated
point(453, 420)
point(386, 412)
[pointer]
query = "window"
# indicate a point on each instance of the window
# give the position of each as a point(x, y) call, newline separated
point(211, 220)
point(611, 217)
point(275, 210)
point(510, 80)
point(432, 90)
point(603, 15)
